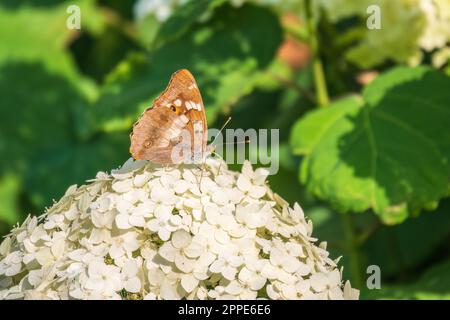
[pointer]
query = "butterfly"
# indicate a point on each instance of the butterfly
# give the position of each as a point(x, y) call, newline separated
point(174, 130)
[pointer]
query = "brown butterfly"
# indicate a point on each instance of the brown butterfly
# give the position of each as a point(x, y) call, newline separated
point(174, 130)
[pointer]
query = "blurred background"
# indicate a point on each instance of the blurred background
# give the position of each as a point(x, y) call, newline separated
point(360, 93)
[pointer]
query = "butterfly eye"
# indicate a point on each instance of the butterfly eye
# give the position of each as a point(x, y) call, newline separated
point(173, 108)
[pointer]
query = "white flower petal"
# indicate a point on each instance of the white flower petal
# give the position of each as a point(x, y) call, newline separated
point(167, 251)
point(188, 282)
point(133, 285)
point(183, 263)
point(122, 186)
point(181, 239)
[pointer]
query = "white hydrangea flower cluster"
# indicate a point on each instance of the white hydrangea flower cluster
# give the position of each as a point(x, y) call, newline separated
point(151, 232)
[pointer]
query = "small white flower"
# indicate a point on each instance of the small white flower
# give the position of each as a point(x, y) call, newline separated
point(55, 221)
point(245, 185)
point(103, 223)
point(252, 273)
point(11, 264)
point(164, 222)
point(163, 196)
point(130, 279)
point(122, 244)
point(122, 186)
point(257, 177)
point(162, 285)
point(103, 278)
point(141, 179)
point(173, 251)
point(240, 290)
point(252, 215)
point(227, 264)
point(132, 216)
point(329, 284)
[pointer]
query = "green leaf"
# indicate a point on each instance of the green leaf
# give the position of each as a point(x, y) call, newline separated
point(57, 168)
point(146, 30)
point(37, 110)
point(388, 150)
point(434, 284)
point(225, 55)
point(183, 18)
point(44, 97)
point(27, 42)
point(9, 192)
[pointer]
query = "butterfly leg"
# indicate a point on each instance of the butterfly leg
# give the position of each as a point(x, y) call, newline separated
point(201, 168)
point(220, 165)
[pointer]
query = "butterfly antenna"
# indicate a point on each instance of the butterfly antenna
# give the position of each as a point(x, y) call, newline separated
point(247, 140)
point(204, 160)
point(221, 129)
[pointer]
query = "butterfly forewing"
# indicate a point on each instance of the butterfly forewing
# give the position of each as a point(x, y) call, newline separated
point(177, 112)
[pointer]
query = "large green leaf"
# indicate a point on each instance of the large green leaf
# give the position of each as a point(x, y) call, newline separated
point(22, 29)
point(388, 150)
point(43, 96)
point(37, 111)
point(225, 54)
point(41, 88)
point(183, 18)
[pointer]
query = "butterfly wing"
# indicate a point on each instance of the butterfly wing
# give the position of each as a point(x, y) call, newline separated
point(179, 108)
point(154, 135)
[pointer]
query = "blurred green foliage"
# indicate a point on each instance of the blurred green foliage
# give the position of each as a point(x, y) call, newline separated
point(69, 98)
point(351, 158)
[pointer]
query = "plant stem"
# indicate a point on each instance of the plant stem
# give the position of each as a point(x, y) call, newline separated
point(351, 239)
point(366, 234)
point(319, 75)
point(353, 250)
point(291, 84)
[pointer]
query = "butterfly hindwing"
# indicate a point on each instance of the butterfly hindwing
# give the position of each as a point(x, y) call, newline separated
point(154, 134)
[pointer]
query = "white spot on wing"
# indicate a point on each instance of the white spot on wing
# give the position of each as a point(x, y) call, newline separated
point(184, 119)
point(198, 126)
point(177, 103)
point(174, 133)
point(179, 123)
point(193, 105)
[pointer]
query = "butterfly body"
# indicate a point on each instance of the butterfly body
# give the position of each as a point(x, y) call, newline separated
point(174, 129)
